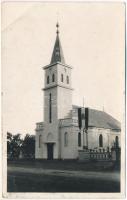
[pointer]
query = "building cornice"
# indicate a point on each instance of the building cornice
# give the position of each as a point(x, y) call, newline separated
point(57, 85)
point(50, 65)
point(92, 127)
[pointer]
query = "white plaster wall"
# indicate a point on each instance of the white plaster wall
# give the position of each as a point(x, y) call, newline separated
point(64, 94)
point(61, 105)
point(76, 130)
point(93, 137)
point(64, 99)
point(42, 151)
point(49, 72)
point(61, 96)
point(71, 150)
point(53, 129)
point(61, 69)
point(38, 151)
point(108, 137)
point(57, 70)
point(53, 92)
point(67, 152)
point(112, 138)
point(53, 126)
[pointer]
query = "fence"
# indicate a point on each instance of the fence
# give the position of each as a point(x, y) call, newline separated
point(100, 154)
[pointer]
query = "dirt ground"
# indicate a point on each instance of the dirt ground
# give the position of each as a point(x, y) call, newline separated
point(62, 177)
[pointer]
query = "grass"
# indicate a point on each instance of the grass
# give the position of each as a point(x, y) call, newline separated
point(66, 165)
point(37, 183)
point(31, 182)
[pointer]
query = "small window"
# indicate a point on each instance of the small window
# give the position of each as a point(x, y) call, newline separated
point(66, 139)
point(47, 79)
point(62, 78)
point(100, 141)
point(39, 141)
point(67, 79)
point(53, 78)
point(79, 139)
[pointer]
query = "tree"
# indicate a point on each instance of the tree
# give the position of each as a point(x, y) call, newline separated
point(28, 146)
point(9, 144)
point(14, 143)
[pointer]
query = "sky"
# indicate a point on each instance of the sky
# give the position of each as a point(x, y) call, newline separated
point(92, 38)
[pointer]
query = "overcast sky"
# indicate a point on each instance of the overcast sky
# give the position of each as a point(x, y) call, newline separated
point(92, 37)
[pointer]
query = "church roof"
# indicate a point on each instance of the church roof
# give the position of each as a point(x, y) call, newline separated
point(57, 55)
point(101, 119)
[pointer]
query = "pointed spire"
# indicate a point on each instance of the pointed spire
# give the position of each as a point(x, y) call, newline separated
point(57, 55)
point(57, 25)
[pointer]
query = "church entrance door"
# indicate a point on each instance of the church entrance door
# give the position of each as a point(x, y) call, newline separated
point(50, 151)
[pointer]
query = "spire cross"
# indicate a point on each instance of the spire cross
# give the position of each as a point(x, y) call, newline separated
point(57, 25)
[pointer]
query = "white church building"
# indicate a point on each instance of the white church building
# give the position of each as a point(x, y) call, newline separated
point(59, 136)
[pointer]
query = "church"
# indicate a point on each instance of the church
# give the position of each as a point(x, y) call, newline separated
point(60, 136)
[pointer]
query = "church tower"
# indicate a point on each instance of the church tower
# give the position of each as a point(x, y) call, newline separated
point(59, 136)
point(57, 100)
point(57, 90)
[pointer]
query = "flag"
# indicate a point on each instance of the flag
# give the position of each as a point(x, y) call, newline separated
point(86, 118)
point(79, 118)
point(83, 116)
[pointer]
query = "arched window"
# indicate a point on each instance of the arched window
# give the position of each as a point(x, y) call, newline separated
point(39, 141)
point(117, 141)
point(50, 108)
point(66, 139)
point(61, 77)
point(100, 141)
point(47, 79)
point(67, 79)
point(53, 78)
point(79, 139)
